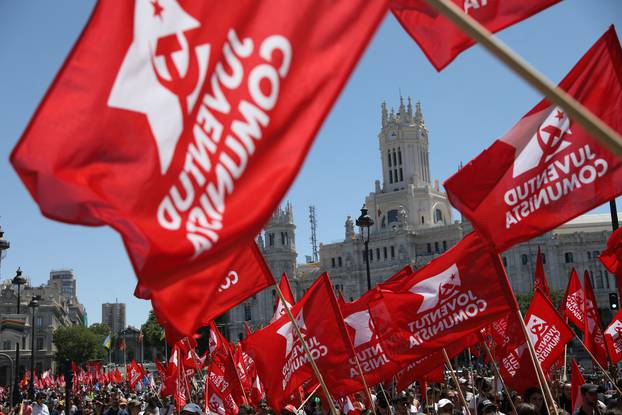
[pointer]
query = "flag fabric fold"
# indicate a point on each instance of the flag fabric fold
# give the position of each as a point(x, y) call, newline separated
point(572, 304)
point(613, 338)
point(593, 336)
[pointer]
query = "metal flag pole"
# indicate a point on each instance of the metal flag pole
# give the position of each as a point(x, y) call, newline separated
point(455, 379)
point(316, 371)
point(494, 365)
point(601, 132)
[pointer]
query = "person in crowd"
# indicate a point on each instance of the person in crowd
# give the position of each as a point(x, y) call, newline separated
point(39, 407)
point(535, 397)
point(589, 395)
point(445, 407)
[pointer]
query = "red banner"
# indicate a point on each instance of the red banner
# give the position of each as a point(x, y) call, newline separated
point(168, 120)
point(611, 257)
point(279, 309)
point(572, 304)
point(540, 282)
point(547, 169)
point(613, 338)
point(593, 335)
point(441, 40)
point(456, 294)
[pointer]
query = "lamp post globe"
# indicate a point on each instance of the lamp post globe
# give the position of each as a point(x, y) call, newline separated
point(34, 303)
point(18, 280)
point(365, 222)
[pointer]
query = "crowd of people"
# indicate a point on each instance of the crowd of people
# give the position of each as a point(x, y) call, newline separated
point(483, 395)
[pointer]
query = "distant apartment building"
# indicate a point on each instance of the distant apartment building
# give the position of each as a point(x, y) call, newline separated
point(113, 315)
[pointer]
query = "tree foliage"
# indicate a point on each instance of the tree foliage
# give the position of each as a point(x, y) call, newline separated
point(525, 299)
point(78, 344)
point(153, 337)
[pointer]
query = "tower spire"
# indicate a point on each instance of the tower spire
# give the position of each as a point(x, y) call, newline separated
point(410, 110)
point(418, 113)
point(384, 113)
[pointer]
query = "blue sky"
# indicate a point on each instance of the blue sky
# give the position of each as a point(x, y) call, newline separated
point(473, 101)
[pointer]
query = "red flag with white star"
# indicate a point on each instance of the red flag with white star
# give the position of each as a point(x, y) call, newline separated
point(547, 169)
point(168, 119)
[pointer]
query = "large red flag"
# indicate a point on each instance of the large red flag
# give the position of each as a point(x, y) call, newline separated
point(441, 40)
point(572, 304)
point(577, 380)
point(375, 363)
point(458, 293)
point(593, 336)
point(279, 309)
point(540, 282)
point(167, 120)
point(286, 366)
point(547, 169)
point(547, 331)
point(613, 338)
point(185, 305)
point(611, 257)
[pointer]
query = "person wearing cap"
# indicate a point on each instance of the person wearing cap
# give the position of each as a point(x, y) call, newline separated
point(134, 407)
point(191, 409)
point(589, 394)
point(39, 407)
point(486, 407)
point(444, 406)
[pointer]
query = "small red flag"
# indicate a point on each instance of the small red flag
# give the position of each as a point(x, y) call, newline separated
point(540, 282)
point(456, 294)
point(279, 309)
point(286, 366)
point(611, 257)
point(572, 305)
point(441, 40)
point(613, 338)
point(547, 169)
point(577, 380)
point(548, 332)
point(593, 335)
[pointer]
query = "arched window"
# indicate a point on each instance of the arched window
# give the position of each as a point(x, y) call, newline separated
point(389, 157)
point(524, 259)
point(399, 156)
point(438, 216)
point(392, 216)
point(394, 159)
point(422, 219)
point(568, 257)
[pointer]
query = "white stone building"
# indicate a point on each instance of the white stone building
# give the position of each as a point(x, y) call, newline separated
point(413, 224)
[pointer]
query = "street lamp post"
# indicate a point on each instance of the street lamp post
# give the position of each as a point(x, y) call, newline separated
point(365, 222)
point(19, 281)
point(34, 303)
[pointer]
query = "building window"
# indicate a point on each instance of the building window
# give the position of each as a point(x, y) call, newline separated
point(384, 251)
point(392, 216)
point(429, 248)
point(332, 260)
point(392, 252)
point(389, 157)
point(271, 239)
point(248, 315)
point(394, 160)
point(595, 254)
point(378, 254)
point(568, 257)
point(40, 343)
point(524, 259)
point(543, 258)
point(364, 257)
point(284, 238)
point(606, 279)
point(438, 216)
point(6, 345)
point(339, 262)
point(39, 367)
point(395, 176)
point(371, 255)
point(505, 261)
point(39, 321)
point(589, 255)
point(399, 156)
point(436, 247)
point(599, 280)
point(422, 220)
point(390, 176)
point(444, 246)
point(401, 176)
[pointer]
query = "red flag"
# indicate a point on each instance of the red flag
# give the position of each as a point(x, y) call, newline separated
point(613, 338)
point(456, 294)
point(247, 330)
point(136, 373)
point(577, 380)
point(185, 304)
point(186, 115)
point(548, 332)
point(593, 336)
point(279, 309)
point(572, 304)
point(375, 363)
point(286, 366)
point(611, 257)
point(398, 276)
point(441, 40)
point(547, 170)
point(226, 384)
point(540, 277)
point(219, 395)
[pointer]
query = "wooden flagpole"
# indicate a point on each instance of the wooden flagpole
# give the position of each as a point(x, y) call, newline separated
point(505, 389)
point(565, 375)
point(598, 363)
point(546, 391)
point(455, 379)
point(316, 371)
point(302, 405)
point(371, 400)
point(386, 398)
point(601, 132)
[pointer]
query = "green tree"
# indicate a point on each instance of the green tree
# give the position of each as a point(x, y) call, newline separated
point(153, 337)
point(525, 299)
point(77, 344)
